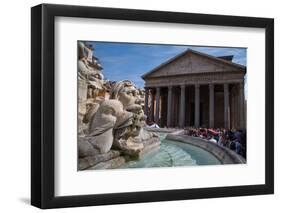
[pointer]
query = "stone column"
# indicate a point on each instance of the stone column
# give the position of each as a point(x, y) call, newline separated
point(151, 117)
point(156, 118)
point(197, 105)
point(241, 105)
point(169, 107)
point(182, 107)
point(146, 101)
point(211, 106)
point(226, 105)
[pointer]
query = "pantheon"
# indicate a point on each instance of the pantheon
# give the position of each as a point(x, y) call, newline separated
point(196, 89)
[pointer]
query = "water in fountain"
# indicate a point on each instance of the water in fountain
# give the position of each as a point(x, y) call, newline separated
point(173, 153)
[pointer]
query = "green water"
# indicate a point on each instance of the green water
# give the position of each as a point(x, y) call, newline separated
point(173, 153)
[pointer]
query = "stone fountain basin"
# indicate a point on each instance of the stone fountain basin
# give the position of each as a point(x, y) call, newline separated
point(176, 149)
point(223, 154)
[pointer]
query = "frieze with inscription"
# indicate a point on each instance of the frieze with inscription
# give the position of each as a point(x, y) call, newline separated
point(216, 78)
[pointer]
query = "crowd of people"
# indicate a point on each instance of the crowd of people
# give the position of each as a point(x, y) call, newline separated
point(232, 139)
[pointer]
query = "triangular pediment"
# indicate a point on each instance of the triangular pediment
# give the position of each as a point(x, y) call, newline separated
point(192, 62)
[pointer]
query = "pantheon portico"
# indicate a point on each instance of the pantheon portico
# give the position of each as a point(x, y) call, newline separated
point(196, 89)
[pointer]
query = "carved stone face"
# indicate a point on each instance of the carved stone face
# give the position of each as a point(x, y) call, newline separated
point(127, 93)
point(128, 96)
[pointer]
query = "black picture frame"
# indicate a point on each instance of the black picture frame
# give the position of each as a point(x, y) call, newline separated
point(43, 102)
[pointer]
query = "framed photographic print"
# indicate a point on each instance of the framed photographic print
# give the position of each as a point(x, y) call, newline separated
point(139, 106)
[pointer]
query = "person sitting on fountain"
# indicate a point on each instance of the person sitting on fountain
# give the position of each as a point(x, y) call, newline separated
point(152, 124)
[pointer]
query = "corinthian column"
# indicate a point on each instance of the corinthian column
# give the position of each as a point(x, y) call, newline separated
point(156, 118)
point(151, 117)
point(226, 106)
point(197, 105)
point(211, 106)
point(169, 107)
point(241, 105)
point(182, 107)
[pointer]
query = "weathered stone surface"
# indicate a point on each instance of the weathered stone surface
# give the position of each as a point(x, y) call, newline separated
point(89, 161)
point(128, 147)
point(90, 82)
point(85, 148)
point(132, 139)
point(149, 148)
point(111, 164)
point(100, 134)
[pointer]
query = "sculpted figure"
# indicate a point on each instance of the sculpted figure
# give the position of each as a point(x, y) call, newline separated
point(141, 97)
point(133, 138)
point(117, 122)
point(87, 70)
point(127, 93)
point(92, 108)
point(109, 115)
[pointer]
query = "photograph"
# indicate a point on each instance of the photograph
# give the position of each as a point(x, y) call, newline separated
point(143, 105)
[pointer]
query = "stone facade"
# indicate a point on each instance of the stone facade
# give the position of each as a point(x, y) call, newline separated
point(196, 89)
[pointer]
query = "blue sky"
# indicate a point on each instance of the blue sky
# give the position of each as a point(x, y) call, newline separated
point(129, 61)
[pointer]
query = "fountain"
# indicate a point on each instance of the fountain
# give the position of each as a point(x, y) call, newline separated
point(111, 118)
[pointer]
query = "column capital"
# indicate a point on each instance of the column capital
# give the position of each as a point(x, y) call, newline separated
point(197, 86)
point(170, 87)
point(183, 86)
point(211, 85)
point(158, 89)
